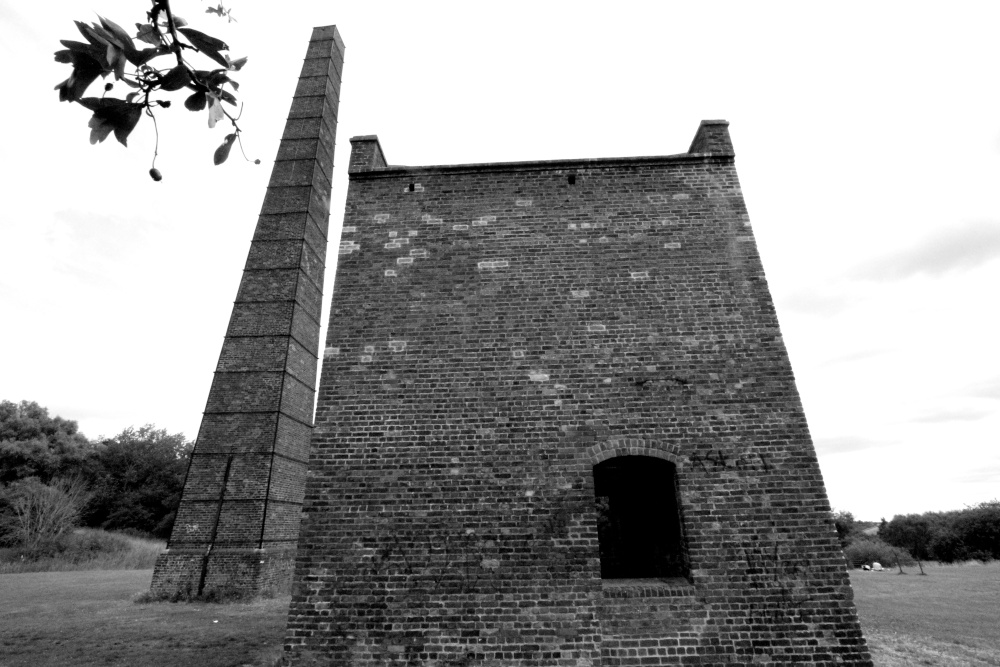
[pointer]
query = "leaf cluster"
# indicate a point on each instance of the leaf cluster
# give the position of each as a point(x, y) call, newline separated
point(156, 60)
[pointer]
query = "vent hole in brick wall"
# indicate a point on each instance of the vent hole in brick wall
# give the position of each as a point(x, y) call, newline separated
point(572, 179)
point(411, 187)
point(638, 519)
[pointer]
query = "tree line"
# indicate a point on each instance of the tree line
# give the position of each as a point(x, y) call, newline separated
point(972, 533)
point(53, 479)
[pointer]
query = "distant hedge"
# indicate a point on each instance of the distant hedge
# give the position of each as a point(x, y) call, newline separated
point(969, 534)
point(868, 549)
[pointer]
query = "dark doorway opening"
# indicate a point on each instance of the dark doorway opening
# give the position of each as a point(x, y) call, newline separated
point(638, 519)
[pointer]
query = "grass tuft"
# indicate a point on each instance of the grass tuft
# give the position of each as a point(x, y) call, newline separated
point(84, 549)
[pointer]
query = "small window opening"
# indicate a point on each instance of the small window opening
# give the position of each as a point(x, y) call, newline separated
point(638, 519)
point(572, 179)
point(411, 187)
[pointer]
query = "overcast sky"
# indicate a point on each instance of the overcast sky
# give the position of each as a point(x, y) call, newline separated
point(867, 141)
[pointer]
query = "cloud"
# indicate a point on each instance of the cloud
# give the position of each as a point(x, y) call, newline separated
point(856, 356)
point(989, 473)
point(987, 389)
point(811, 303)
point(95, 248)
point(960, 248)
point(964, 415)
point(21, 27)
point(846, 443)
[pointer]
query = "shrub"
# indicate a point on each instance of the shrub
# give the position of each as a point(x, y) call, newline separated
point(137, 478)
point(37, 515)
point(979, 530)
point(913, 532)
point(865, 550)
point(83, 549)
point(846, 526)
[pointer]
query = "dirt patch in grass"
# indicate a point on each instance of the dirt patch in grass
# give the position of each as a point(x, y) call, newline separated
point(88, 618)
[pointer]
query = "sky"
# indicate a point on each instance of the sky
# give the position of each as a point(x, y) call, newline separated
point(867, 141)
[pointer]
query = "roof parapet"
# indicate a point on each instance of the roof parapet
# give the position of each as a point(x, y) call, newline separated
point(712, 137)
point(366, 154)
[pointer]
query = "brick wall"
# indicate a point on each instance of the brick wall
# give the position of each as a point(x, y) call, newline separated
point(496, 331)
point(239, 515)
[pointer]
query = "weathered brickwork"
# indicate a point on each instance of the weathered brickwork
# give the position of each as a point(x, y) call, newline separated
point(497, 330)
point(239, 516)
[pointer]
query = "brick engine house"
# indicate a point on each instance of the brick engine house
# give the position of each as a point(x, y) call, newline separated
point(557, 426)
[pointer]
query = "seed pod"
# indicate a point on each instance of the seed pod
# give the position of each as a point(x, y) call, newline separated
point(155, 174)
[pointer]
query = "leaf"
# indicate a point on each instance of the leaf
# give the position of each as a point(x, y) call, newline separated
point(92, 103)
point(179, 22)
point(214, 79)
point(175, 79)
point(112, 115)
point(127, 122)
point(91, 35)
point(201, 40)
point(222, 152)
point(116, 60)
point(196, 102)
point(117, 31)
point(208, 45)
point(215, 112)
point(85, 70)
point(144, 56)
point(148, 34)
point(238, 64)
point(105, 36)
point(227, 97)
point(99, 129)
point(95, 52)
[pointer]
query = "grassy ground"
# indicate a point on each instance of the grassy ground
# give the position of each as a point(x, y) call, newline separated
point(949, 618)
point(89, 618)
point(89, 549)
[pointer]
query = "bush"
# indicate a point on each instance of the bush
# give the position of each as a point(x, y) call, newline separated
point(979, 530)
point(846, 526)
point(865, 550)
point(37, 516)
point(137, 478)
point(73, 548)
point(83, 549)
point(949, 537)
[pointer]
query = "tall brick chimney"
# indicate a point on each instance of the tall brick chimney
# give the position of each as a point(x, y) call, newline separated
point(238, 520)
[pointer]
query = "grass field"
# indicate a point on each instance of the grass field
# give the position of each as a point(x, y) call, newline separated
point(89, 618)
point(950, 617)
point(89, 549)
